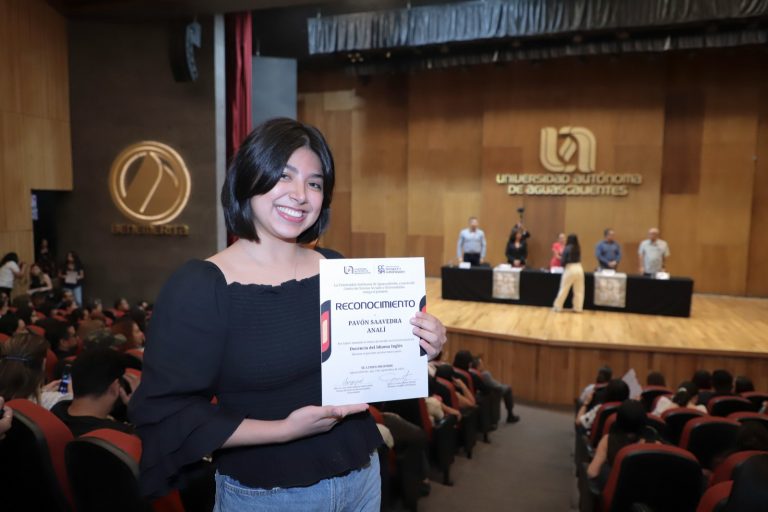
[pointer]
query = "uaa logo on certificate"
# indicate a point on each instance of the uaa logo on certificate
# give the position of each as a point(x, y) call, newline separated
point(149, 183)
point(575, 139)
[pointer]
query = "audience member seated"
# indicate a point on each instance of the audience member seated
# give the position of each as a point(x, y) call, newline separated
point(629, 428)
point(96, 383)
point(687, 395)
point(743, 385)
point(752, 436)
point(410, 441)
point(655, 379)
point(122, 307)
point(464, 395)
point(22, 371)
point(750, 487)
point(505, 389)
point(722, 385)
point(60, 336)
point(616, 391)
point(40, 284)
point(128, 328)
point(703, 381)
point(604, 375)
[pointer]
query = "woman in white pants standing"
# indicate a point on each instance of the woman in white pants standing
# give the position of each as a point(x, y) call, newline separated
point(573, 276)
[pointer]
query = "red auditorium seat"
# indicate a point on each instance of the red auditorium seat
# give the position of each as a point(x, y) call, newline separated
point(715, 499)
point(727, 469)
point(662, 477)
point(103, 467)
point(32, 461)
point(756, 397)
point(137, 353)
point(36, 329)
point(651, 393)
point(724, 405)
point(605, 411)
point(708, 437)
point(4, 337)
point(676, 419)
point(743, 417)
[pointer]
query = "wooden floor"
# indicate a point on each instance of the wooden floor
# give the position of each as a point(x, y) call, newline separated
point(718, 324)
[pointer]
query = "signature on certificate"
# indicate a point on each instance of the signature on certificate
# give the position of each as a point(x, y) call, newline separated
point(397, 379)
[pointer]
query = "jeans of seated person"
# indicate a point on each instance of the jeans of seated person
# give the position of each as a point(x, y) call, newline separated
point(359, 490)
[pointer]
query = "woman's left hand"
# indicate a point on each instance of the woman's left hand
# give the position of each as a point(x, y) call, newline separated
point(431, 332)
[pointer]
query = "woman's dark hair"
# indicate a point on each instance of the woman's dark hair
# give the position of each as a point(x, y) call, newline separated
point(743, 385)
point(702, 379)
point(462, 360)
point(628, 428)
point(21, 366)
point(11, 256)
point(444, 371)
point(75, 317)
point(573, 241)
point(258, 165)
point(685, 393)
point(25, 313)
point(616, 391)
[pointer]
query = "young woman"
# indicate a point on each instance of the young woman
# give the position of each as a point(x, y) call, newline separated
point(557, 251)
point(517, 248)
point(10, 269)
point(629, 428)
point(22, 371)
point(573, 276)
point(687, 395)
point(243, 326)
point(72, 276)
point(39, 282)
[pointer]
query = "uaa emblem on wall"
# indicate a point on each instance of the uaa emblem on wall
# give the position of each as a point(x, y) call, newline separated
point(149, 183)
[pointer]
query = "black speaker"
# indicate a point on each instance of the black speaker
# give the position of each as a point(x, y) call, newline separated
point(184, 38)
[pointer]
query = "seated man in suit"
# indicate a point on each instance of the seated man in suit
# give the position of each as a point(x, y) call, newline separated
point(97, 376)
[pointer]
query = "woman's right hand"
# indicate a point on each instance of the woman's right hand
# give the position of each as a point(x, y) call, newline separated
point(313, 419)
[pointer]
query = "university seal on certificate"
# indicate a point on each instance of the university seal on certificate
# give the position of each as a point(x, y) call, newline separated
point(368, 351)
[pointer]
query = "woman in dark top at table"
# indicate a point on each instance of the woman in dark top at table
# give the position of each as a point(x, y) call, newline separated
point(517, 247)
point(243, 327)
point(573, 276)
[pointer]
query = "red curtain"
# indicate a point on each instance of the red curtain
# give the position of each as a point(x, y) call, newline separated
point(239, 50)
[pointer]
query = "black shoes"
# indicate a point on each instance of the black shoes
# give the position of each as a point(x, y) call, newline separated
point(511, 418)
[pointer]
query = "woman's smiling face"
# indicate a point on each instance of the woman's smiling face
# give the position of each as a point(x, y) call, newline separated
point(295, 202)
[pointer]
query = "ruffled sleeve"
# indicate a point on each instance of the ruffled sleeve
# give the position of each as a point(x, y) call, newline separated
point(172, 408)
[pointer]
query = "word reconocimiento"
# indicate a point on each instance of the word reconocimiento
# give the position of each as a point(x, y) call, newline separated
point(375, 304)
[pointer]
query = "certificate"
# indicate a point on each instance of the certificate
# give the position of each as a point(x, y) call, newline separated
point(368, 350)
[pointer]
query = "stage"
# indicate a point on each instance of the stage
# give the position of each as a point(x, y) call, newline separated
point(548, 357)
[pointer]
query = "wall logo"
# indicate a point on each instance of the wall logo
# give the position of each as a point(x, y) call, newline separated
point(150, 185)
point(558, 147)
point(561, 152)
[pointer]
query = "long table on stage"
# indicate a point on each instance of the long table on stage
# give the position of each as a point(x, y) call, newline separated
point(670, 297)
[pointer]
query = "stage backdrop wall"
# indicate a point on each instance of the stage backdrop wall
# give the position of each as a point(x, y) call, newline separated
point(418, 154)
point(34, 116)
point(123, 92)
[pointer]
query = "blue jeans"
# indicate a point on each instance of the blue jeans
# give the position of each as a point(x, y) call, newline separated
point(357, 491)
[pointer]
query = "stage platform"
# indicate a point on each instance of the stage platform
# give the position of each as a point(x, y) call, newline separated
point(548, 357)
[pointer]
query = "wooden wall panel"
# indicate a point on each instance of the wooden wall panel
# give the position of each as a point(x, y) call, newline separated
point(425, 149)
point(757, 270)
point(35, 146)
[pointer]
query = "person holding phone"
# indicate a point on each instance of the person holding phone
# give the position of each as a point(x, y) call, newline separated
point(243, 326)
